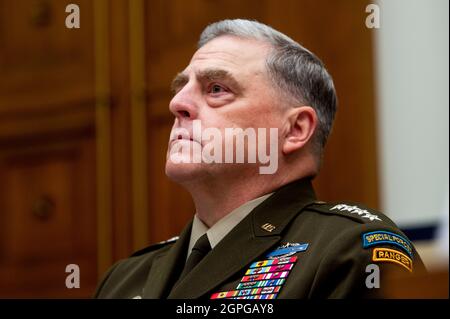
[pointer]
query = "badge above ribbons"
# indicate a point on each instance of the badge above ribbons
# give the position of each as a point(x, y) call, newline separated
point(264, 278)
point(288, 249)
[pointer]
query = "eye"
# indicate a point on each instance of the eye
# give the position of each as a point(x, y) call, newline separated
point(216, 88)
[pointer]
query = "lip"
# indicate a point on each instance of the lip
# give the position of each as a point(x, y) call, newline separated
point(184, 139)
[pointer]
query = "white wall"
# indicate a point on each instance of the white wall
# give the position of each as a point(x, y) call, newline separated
point(412, 53)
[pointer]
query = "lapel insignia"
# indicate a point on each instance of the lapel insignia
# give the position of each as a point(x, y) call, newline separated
point(264, 278)
point(268, 227)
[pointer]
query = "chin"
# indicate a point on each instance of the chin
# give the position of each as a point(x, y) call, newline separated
point(184, 172)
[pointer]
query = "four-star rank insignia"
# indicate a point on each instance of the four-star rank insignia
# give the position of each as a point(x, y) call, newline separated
point(264, 278)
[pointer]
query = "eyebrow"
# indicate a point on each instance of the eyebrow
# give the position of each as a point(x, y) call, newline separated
point(178, 82)
point(181, 79)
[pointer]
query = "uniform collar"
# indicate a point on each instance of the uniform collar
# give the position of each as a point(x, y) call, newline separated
point(273, 215)
point(222, 227)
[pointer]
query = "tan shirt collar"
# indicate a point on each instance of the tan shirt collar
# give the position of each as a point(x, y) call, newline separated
point(220, 229)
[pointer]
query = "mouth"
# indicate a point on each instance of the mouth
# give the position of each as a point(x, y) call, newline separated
point(180, 138)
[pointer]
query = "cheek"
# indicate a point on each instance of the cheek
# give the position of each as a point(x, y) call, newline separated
point(245, 116)
point(256, 112)
point(219, 101)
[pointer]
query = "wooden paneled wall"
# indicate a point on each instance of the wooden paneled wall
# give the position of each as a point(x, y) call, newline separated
point(47, 150)
point(84, 125)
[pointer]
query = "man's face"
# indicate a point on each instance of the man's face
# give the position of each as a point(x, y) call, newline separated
point(225, 85)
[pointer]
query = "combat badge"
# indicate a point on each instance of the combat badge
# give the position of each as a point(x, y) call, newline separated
point(287, 250)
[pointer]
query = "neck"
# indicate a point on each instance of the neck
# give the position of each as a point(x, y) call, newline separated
point(214, 200)
point(215, 197)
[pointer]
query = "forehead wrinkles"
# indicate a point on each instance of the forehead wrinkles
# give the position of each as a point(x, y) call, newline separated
point(229, 65)
point(225, 58)
point(233, 52)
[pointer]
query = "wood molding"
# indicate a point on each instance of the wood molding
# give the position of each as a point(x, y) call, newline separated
point(138, 124)
point(103, 134)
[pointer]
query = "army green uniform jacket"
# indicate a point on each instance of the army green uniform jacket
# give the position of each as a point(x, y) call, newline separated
point(290, 246)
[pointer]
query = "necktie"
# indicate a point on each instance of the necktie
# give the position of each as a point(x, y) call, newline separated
point(201, 248)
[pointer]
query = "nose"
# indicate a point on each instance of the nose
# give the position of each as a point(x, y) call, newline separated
point(183, 105)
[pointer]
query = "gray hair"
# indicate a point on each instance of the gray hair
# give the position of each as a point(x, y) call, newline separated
point(291, 67)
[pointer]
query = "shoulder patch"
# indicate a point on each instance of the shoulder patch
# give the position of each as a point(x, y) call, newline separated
point(380, 237)
point(155, 246)
point(388, 255)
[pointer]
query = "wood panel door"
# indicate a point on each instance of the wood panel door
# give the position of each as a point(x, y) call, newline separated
point(47, 150)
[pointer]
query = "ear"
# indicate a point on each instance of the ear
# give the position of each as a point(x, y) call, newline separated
point(300, 126)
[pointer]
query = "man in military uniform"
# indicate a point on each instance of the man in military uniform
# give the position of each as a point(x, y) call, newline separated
point(256, 235)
